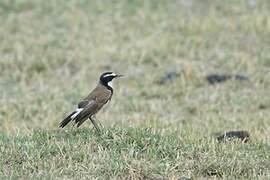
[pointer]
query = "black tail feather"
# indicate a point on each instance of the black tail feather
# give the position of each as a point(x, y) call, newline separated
point(66, 120)
point(80, 118)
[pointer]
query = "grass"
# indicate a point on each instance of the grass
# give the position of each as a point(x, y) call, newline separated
point(135, 153)
point(52, 53)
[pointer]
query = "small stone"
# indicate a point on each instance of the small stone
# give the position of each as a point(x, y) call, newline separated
point(244, 136)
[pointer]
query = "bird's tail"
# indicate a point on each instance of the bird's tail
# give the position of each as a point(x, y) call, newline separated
point(70, 117)
point(66, 120)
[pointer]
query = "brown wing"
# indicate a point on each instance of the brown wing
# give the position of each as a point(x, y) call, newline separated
point(87, 111)
point(83, 103)
point(100, 94)
point(93, 103)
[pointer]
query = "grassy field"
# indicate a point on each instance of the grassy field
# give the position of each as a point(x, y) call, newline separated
point(52, 53)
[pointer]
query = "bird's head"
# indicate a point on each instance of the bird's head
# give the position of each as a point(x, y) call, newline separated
point(107, 77)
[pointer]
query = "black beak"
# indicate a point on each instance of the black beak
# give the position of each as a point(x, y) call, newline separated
point(119, 75)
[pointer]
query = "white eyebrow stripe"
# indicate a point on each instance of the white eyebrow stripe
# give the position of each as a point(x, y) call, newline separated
point(112, 74)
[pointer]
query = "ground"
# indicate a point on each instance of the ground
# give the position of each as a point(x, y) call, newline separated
point(51, 56)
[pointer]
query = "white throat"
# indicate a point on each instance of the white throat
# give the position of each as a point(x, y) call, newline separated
point(110, 84)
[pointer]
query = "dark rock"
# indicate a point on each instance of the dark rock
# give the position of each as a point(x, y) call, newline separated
point(263, 106)
point(244, 136)
point(241, 77)
point(169, 76)
point(219, 78)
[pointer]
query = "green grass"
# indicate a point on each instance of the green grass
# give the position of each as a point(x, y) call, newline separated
point(52, 53)
point(128, 153)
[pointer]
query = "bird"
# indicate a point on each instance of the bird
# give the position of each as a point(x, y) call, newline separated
point(89, 106)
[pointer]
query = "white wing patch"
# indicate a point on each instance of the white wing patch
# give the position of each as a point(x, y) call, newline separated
point(78, 110)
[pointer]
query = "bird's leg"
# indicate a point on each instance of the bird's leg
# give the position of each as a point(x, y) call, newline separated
point(94, 117)
point(95, 125)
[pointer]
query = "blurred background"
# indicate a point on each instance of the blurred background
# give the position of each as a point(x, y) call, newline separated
point(53, 52)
